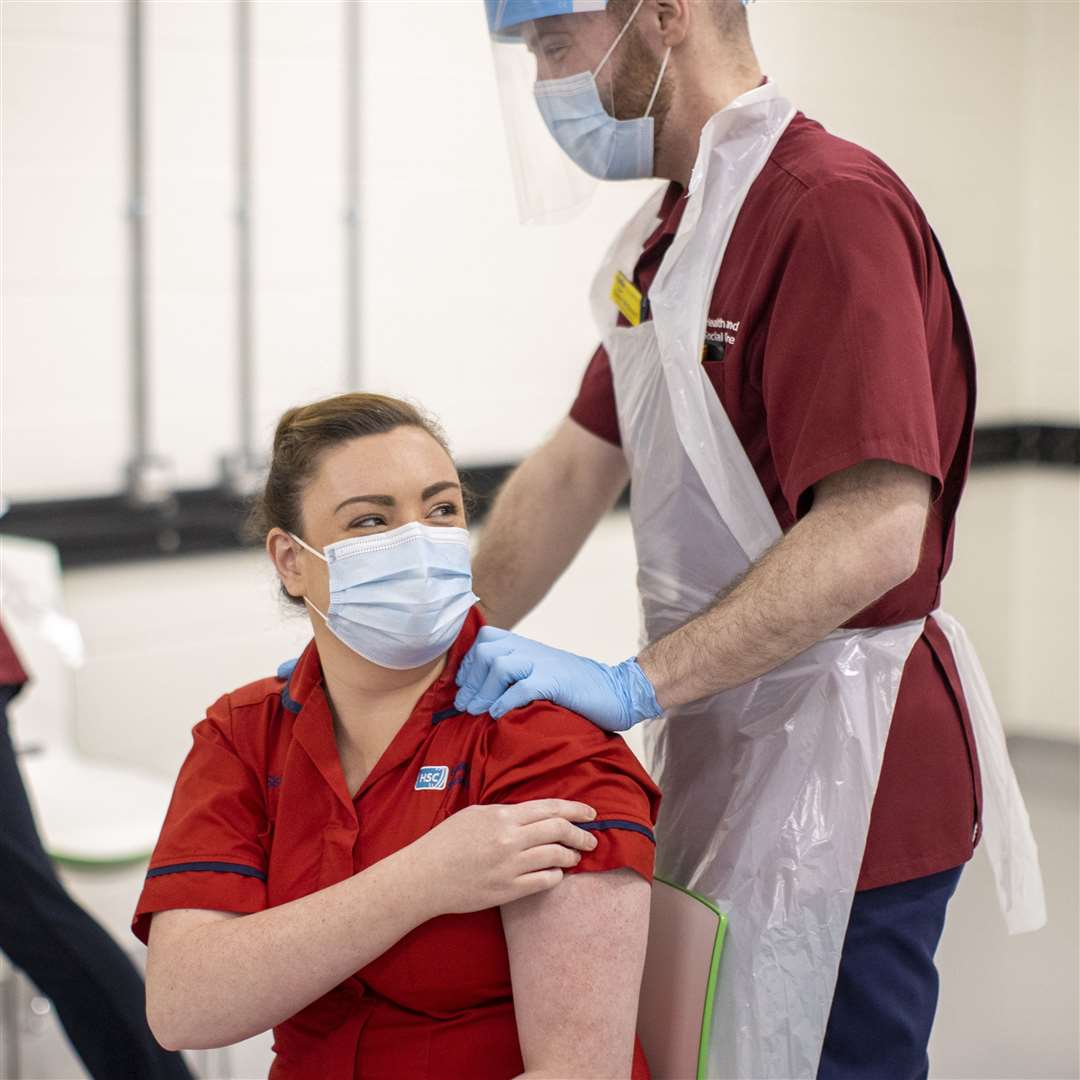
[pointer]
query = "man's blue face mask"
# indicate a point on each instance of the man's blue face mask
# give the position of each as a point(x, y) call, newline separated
point(603, 146)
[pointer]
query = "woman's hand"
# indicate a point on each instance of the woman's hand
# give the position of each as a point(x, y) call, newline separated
point(485, 856)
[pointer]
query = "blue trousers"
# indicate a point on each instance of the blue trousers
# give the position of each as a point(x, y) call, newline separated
point(887, 988)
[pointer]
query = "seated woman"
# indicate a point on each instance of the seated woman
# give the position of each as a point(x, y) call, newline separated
point(393, 886)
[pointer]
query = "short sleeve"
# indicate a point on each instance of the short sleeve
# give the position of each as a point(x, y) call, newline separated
point(846, 371)
point(210, 853)
point(594, 408)
point(543, 751)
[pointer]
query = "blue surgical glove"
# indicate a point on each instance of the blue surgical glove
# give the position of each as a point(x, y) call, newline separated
point(286, 667)
point(503, 671)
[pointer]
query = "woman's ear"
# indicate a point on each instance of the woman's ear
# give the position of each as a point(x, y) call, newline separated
point(284, 553)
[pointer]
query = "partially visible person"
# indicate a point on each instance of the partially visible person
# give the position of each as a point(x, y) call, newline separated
point(391, 884)
point(98, 994)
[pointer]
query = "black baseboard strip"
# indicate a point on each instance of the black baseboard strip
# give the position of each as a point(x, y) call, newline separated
point(1025, 444)
point(110, 529)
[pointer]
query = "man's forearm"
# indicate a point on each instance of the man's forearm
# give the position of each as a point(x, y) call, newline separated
point(541, 518)
point(830, 566)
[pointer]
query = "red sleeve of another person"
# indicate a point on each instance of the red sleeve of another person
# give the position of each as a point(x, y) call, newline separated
point(594, 407)
point(846, 372)
point(545, 752)
point(210, 853)
point(11, 671)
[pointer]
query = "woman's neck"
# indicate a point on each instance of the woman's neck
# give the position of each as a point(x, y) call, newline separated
point(369, 703)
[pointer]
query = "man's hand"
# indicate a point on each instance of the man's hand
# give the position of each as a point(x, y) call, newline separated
point(504, 671)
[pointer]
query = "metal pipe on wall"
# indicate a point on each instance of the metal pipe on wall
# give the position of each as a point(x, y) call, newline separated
point(148, 475)
point(245, 385)
point(242, 470)
point(353, 281)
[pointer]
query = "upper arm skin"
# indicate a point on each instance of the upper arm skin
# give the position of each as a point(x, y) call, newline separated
point(591, 458)
point(165, 957)
point(882, 507)
point(576, 957)
point(541, 517)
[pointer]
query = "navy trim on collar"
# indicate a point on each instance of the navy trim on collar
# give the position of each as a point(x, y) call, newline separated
point(445, 714)
point(220, 867)
point(613, 823)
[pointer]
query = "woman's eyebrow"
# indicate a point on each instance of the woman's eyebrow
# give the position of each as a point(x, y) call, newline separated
point(434, 489)
point(379, 500)
point(389, 500)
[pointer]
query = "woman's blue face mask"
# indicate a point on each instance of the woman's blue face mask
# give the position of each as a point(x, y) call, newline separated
point(398, 598)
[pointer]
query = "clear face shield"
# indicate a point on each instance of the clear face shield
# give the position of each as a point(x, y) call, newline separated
point(561, 105)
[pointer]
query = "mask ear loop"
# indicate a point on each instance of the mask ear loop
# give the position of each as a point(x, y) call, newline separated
point(317, 611)
point(309, 548)
point(325, 560)
point(618, 38)
point(611, 49)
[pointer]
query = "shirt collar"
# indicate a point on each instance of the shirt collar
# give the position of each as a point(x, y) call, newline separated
point(307, 675)
point(670, 214)
point(304, 695)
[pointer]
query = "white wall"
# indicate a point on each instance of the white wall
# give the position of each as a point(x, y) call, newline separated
point(63, 333)
point(1015, 584)
point(480, 319)
point(457, 302)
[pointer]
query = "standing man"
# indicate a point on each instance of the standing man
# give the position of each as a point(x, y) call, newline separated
point(787, 379)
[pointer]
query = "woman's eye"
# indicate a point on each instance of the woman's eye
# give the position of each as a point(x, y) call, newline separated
point(445, 510)
point(369, 522)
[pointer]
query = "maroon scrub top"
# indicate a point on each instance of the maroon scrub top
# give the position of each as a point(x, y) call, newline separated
point(261, 816)
point(835, 336)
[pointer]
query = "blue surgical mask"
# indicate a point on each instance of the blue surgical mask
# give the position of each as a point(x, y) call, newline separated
point(604, 147)
point(398, 598)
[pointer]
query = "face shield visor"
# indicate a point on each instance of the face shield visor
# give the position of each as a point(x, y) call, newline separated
point(557, 86)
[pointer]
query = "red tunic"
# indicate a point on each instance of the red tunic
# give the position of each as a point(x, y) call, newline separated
point(835, 336)
point(260, 816)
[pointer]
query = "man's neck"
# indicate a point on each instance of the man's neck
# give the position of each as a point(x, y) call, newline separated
point(696, 101)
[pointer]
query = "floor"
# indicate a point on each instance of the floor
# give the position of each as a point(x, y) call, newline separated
point(1010, 1006)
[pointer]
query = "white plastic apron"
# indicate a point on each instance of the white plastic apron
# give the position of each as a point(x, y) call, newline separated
point(768, 786)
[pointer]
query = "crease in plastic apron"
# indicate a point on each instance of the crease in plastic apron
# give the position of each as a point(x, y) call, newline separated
point(767, 787)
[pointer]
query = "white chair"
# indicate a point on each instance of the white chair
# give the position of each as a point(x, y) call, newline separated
point(678, 987)
point(89, 813)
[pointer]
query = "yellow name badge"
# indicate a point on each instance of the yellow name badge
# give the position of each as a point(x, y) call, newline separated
point(627, 298)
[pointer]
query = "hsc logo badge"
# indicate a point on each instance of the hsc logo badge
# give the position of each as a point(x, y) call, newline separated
point(432, 777)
